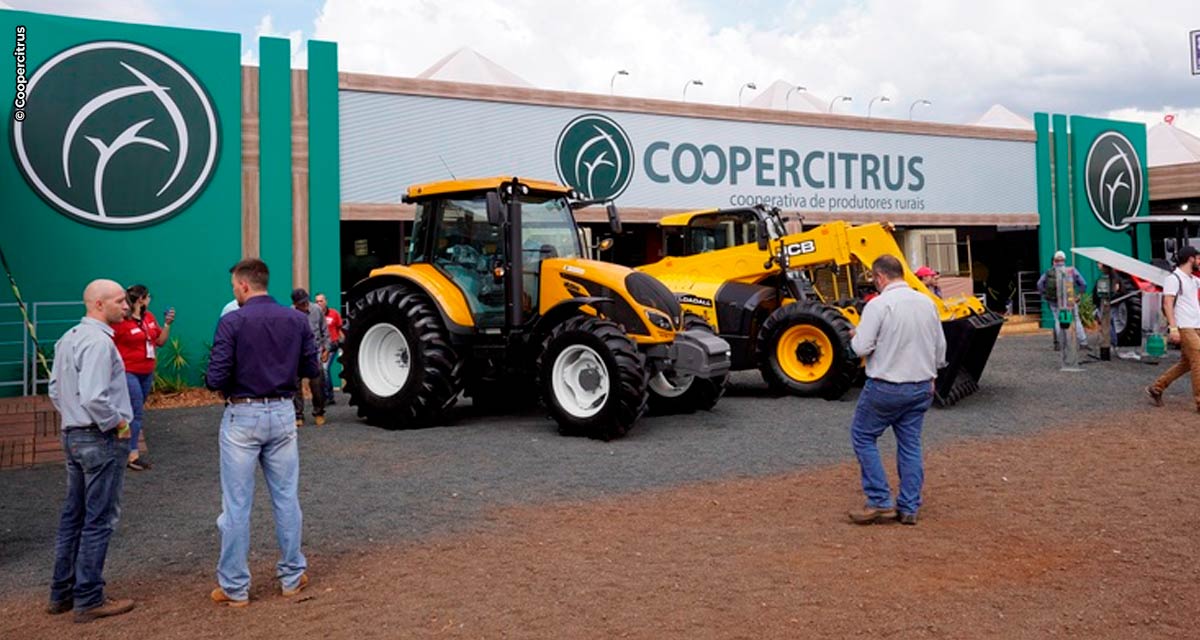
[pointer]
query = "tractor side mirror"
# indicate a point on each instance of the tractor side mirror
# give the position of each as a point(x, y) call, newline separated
point(604, 244)
point(614, 219)
point(760, 228)
point(495, 209)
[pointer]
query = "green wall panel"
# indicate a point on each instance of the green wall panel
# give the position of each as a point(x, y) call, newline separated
point(124, 153)
point(275, 163)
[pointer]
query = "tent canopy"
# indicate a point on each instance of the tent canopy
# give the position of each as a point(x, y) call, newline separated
point(468, 65)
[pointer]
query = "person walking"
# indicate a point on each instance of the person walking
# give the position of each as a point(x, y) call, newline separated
point(901, 337)
point(1047, 285)
point(257, 356)
point(316, 384)
point(1181, 305)
point(333, 322)
point(89, 390)
point(138, 335)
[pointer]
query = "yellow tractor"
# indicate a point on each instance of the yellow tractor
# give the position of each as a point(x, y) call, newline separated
point(496, 299)
point(786, 303)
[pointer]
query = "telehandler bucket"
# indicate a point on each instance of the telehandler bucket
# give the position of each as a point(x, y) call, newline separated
point(969, 343)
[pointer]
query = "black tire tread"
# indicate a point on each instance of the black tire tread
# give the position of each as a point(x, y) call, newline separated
point(434, 385)
point(845, 366)
point(631, 392)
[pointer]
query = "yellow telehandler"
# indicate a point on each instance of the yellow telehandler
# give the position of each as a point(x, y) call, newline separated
point(496, 299)
point(786, 302)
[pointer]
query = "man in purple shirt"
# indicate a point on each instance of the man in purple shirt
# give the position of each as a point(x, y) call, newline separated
point(257, 356)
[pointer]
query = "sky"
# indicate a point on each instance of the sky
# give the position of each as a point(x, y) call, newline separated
point(1111, 59)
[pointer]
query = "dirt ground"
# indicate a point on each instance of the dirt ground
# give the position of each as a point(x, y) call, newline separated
point(1083, 531)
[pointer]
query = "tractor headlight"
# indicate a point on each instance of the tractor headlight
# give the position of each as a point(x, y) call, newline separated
point(659, 319)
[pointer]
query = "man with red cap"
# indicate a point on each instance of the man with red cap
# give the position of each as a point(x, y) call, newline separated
point(929, 278)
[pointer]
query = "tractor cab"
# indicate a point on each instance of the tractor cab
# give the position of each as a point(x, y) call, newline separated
point(694, 232)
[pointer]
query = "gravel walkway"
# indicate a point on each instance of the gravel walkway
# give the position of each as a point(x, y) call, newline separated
point(362, 485)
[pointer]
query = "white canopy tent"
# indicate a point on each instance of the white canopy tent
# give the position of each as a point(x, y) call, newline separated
point(468, 65)
point(776, 97)
point(1167, 144)
point(1003, 117)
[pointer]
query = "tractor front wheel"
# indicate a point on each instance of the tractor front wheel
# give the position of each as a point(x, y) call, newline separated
point(804, 349)
point(593, 378)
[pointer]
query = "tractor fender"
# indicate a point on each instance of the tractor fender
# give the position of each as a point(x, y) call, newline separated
point(568, 308)
point(449, 300)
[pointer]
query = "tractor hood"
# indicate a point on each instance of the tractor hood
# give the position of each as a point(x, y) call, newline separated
point(645, 306)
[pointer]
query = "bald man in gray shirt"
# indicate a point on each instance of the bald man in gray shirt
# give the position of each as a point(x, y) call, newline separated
point(901, 337)
point(87, 386)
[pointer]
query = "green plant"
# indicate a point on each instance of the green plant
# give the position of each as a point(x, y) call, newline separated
point(1087, 312)
point(171, 376)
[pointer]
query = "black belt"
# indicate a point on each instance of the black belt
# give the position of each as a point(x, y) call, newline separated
point(83, 426)
point(257, 400)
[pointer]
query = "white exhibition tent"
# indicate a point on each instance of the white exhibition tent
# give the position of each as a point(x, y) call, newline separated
point(1167, 144)
point(776, 97)
point(1003, 117)
point(468, 65)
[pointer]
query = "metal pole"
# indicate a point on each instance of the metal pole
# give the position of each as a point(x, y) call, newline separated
point(1066, 319)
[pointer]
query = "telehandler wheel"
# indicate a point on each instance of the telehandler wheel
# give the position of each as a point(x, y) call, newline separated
point(593, 378)
point(684, 394)
point(399, 367)
point(804, 350)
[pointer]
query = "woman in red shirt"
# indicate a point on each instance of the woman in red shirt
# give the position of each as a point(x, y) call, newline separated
point(137, 337)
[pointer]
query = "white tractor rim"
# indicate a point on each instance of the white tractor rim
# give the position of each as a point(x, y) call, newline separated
point(384, 360)
point(580, 381)
point(671, 386)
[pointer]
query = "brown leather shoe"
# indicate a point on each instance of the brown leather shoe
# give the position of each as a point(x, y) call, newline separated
point(60, 606)
point(109, 608)
point(907, 518)
point(1155, 396)
point(218, 596)
point(299, 586)
point(320, 420)
point(871, 515)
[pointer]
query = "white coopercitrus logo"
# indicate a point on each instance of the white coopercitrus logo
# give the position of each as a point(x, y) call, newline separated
point(1113, 178)
point(116, 134)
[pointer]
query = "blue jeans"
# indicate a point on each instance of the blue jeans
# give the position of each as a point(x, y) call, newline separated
point(253, 433)
point(95, 475)
point(329, 375)
point(139, 391)
point(902, 407)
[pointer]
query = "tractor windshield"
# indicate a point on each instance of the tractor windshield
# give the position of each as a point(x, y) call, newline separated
point(548, 229)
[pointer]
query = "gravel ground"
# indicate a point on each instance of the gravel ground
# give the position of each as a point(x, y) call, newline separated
point(362, 486)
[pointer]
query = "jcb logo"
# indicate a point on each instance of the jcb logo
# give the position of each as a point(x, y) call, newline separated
point(800, 248)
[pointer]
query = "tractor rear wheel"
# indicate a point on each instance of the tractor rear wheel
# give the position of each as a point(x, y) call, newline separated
point(593, 378)
point(399, 367)
point(673, 394)
point(804, 349)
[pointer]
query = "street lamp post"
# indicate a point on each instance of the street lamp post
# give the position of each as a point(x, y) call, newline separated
point(748, 85)
point(872, 103)
point(690, 83)
point(839, 99)
point(622, 72)
point(787, 99)
point(914, 104)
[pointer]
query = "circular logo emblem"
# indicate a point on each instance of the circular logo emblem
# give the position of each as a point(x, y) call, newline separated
point(1113, 177)
point(116, 134)
point(595, 157)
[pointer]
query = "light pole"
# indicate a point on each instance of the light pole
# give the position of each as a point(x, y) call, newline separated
point(837, 99)
point(748, 85)
point(787, 99)
point(690, 83)
point(914, 104)
point(622, 72)
point(872, 103)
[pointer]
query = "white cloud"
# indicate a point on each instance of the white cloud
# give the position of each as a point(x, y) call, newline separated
point(143, 11)
point(1030, 55)
point(266, 27)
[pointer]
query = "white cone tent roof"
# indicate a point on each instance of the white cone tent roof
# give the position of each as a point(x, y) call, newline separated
point(468, 65)
point(1003, 117)
point(776, 97)
point(1166, 144)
